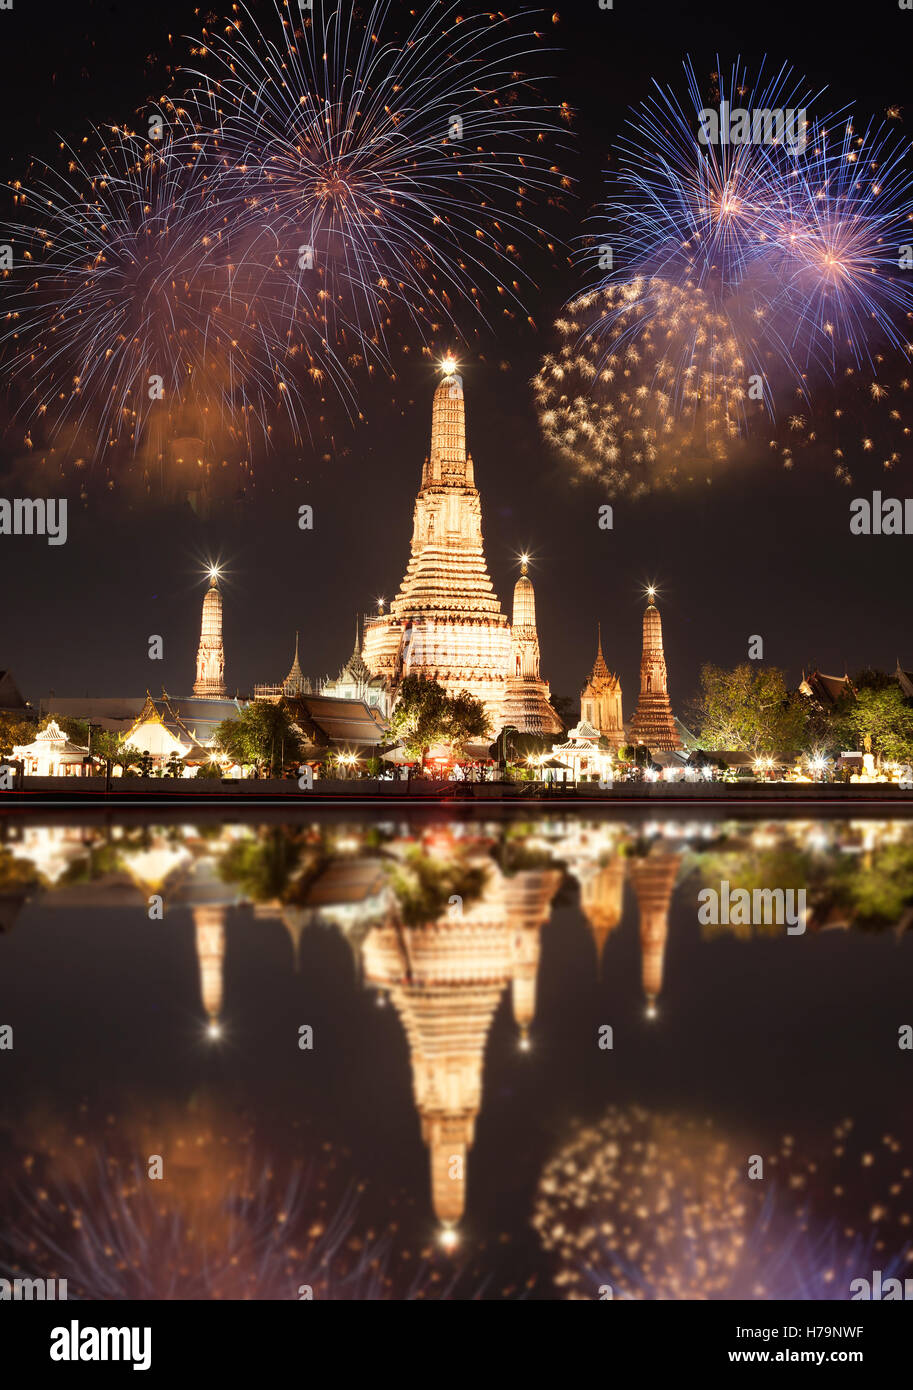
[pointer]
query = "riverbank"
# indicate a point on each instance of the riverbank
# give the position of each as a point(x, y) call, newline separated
point(156, 791)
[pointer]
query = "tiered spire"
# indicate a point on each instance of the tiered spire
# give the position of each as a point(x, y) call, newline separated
point(294, 683)
point(446, 621)
point(653, 724)
point(654, 882)
point(600, 699)
point(210, 679)
point(526, 696)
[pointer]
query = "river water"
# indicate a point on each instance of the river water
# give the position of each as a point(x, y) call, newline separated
point(454, 1054)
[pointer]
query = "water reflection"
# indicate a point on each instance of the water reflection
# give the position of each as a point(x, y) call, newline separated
point(443, 921)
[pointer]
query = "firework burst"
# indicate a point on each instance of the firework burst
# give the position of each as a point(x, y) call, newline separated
point(388, 181)
point(126, 324)
point(784, 257)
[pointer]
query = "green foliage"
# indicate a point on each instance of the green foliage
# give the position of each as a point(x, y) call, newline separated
point(263, 736)
point(210, 771)
point(426, 715)
point(174, 766)
point(881, 720)
point(15, 732)
point(877, 889)
point(261, 867)
point(424, 886)
point(748, 710)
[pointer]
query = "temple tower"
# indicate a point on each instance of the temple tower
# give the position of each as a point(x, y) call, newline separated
point(209, 935)
point(526, 696)
point(445, 979)
point(210, 679)
point(602, 901)
point(653, 724)
point(527, 900)
point(446, 620)
point(294, 683)
point(600, 700)
point(654, 881)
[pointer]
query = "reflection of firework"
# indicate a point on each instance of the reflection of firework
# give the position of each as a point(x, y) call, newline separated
point(651, 1206)
point(660, 1207)
point(221, 1224)
point(406, 168)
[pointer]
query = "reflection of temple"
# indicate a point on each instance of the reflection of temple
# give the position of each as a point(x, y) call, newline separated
point(446, 977)
point(445, 980)
point(602, 900)
point(527, 901)
point(654, 881)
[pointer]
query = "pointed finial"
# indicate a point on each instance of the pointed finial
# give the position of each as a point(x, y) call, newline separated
point(296, 644)
point(524, 563)
point(598, 640)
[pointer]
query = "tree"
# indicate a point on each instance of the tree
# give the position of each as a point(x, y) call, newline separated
point(419, 716)
point(263, 736)
point(14, 732)
point(881, 720)
point(467, 720)
point(748, 709)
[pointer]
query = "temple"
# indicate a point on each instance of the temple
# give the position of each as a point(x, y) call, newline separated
point(600, 700)
point(654, 879)
point(210, 681)
point(653, 724)
point(446, 620)
point(526, 696)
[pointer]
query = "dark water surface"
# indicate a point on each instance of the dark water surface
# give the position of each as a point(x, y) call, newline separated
point(455, 1128)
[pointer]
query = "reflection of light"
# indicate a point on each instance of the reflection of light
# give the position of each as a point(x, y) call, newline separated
point(525, 1043)
point(651, 1011)
point(449, 365)
point(449, 1238)
point(214, 1030)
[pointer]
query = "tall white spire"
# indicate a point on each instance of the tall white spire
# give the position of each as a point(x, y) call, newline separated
point(210, 679)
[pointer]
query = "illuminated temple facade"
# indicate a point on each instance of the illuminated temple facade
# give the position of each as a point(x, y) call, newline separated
point(653, 723)
point(446, 621)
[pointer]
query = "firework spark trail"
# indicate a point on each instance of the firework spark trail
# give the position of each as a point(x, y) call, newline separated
point(125, 283)
point(336, 138)
point(785, 260)
point(180, 258)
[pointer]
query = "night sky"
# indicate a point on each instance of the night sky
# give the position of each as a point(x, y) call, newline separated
point(761, 551)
